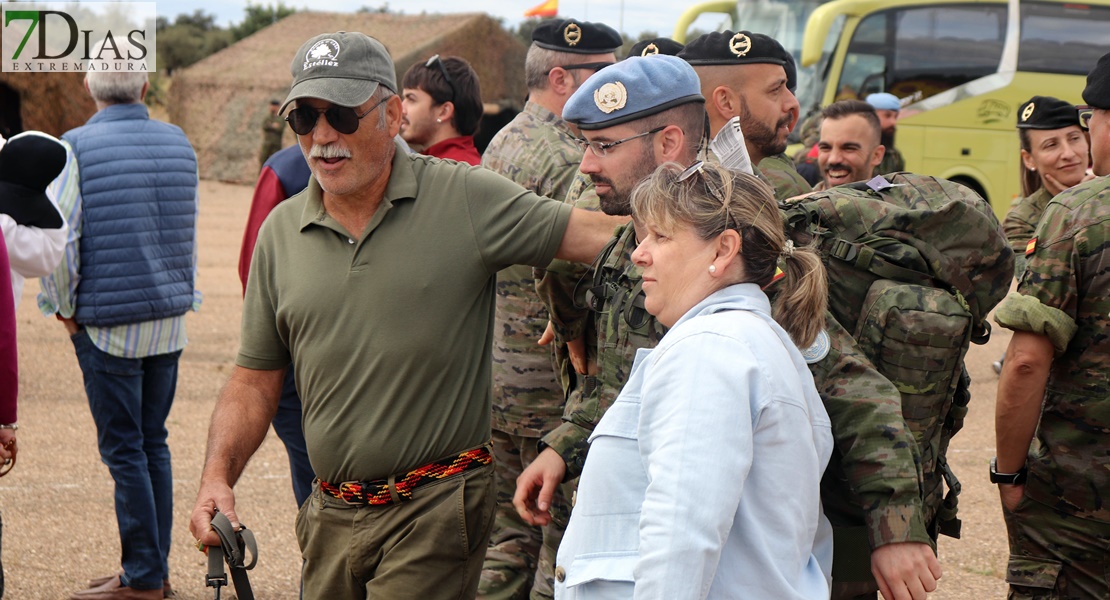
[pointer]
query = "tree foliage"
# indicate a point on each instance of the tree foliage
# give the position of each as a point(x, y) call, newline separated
point(259, 17)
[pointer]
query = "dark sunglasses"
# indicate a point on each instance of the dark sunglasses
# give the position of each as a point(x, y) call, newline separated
point(302, 120)
point(593, 66)
point(434, 60)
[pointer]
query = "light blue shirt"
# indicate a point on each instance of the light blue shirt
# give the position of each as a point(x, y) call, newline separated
point(703, 478)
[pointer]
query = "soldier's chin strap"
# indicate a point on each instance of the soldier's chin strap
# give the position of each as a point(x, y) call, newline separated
point(233, 548)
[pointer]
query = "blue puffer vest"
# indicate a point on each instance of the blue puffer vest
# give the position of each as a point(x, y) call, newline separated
point(138, 196)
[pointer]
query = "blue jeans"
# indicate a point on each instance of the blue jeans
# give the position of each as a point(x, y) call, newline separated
point(130, 399)
point(287, 425)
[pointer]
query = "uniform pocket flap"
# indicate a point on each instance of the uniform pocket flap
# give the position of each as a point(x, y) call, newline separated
point(1032, 572)
point(610, 566)
point(621, 420)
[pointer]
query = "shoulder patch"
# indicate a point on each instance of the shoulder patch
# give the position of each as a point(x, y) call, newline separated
point(819, 350)
point(1031, 246)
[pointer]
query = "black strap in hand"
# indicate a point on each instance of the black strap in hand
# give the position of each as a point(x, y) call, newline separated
point(233, 549)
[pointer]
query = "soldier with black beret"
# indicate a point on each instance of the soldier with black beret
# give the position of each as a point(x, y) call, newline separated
point(1052, 412)
point(654, 46)
point(1054, 153)
point(537, 150)
point(750, 75)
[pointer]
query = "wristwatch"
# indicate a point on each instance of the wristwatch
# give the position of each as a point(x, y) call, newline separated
point(1007, 478)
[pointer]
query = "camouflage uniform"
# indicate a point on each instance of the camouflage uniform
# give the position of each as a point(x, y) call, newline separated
point(871, 490)
point(1060, 531)
point(779, 172)
point(272, 128)
point(1021, 222)
point(892, 162)
point(537, 150)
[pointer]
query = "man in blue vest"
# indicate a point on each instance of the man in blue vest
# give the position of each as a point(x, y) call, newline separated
point(129, 191)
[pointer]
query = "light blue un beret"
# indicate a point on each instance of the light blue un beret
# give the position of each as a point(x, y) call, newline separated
point(632, 89)
point(884, 101)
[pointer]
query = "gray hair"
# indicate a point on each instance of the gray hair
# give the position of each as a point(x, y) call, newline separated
point(108, 87)
point(539, 62)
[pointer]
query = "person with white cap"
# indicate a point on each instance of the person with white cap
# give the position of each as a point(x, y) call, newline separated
point(377, 283)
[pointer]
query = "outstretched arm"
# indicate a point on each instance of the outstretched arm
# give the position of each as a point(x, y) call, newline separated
point(239, 424)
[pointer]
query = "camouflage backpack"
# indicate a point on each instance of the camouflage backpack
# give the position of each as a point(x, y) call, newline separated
point(915, 263)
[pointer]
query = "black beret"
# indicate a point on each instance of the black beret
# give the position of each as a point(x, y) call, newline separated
point(1097, 92)
point(578, 37)
point(28, 163)
point(659, 45)
point(1046, 112)
point(740, 48)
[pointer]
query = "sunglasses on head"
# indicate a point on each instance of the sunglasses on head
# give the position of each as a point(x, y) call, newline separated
point(435, 60)
point(343, 119)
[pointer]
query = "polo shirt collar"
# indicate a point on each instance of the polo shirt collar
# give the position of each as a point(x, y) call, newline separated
point(402, 185)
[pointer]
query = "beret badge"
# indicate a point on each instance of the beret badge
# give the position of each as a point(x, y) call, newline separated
point(740, 44)
point(572, 34)
point(650, 50)
point(1028, 112)
point(610, 97)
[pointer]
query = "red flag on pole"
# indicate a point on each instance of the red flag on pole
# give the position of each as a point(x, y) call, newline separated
point(549, 8)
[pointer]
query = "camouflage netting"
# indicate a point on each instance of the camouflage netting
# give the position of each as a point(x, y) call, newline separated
point(50, 102)
point(221, 101)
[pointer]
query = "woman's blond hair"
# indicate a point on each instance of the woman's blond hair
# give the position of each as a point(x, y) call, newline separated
point(714, 199)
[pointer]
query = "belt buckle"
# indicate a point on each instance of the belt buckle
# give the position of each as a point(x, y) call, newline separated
point(349, 489)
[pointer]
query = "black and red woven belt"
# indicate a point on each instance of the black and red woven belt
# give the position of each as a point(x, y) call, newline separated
point(377, 493)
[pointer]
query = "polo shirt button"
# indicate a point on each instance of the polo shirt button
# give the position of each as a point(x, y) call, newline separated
point(560, 574)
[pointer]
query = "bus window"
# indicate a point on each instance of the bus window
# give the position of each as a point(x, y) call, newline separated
point(1062, 38)
point(922, 51)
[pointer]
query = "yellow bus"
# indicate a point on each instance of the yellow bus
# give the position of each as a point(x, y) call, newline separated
point(961, 68)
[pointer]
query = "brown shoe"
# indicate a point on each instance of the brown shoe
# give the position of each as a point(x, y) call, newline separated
point(167, 589)
point(113, 589)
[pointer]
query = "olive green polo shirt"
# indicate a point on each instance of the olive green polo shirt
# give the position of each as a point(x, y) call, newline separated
point(390, 334)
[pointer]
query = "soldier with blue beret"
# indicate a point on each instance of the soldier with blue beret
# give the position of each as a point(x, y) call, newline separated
point(750, 75)
point(1053, 404)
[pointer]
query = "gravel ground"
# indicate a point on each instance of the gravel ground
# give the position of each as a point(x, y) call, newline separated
point(59, 520)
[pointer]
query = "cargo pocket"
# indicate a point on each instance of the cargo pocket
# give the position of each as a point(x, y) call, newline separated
point(1033, 578)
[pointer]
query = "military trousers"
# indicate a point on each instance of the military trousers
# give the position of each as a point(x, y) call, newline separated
point(430, 547)
point(520, 560)
point(1056, 556)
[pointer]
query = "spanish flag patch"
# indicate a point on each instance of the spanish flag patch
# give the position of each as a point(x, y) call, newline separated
point(1031, 246)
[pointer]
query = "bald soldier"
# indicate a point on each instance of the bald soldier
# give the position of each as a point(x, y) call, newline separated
point(751, 76)
point(538, 150)
point(872, 482)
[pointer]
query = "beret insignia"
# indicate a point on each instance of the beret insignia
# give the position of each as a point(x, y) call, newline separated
point(572, 34)
point(610, 97)
point(1028, 112)
point(740, 44)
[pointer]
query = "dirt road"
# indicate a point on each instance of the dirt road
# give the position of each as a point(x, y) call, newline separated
point(59, 521)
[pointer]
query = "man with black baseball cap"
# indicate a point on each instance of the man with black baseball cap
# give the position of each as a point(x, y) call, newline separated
point(1053, 401)
point(750, 75)
point(537, 149)
point(378, 280)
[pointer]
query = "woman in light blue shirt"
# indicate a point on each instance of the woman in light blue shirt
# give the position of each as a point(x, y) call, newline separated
point(703, 477)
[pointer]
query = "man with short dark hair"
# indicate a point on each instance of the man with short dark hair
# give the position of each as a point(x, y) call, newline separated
point(389, 336)
point(1053, 406)
point(538, 150)
point(849, 147)
point(751, 76)
point(441, 105)
point(129, 192)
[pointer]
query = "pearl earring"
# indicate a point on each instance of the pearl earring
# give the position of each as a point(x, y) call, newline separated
point(439, 120)
point(712, 268)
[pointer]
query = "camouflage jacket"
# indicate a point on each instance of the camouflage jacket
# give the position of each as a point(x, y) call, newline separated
point(1065, 294)
point(537, 150)
point(779, 172)
point(1021, 222)
point(872, 486)
point(892, 162)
